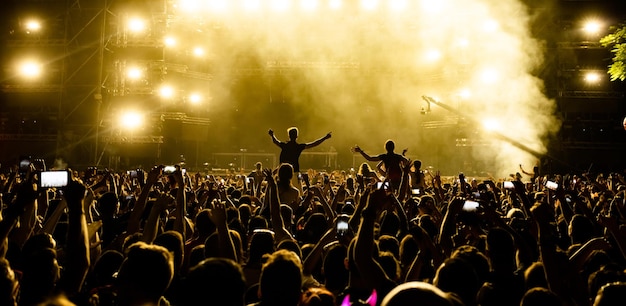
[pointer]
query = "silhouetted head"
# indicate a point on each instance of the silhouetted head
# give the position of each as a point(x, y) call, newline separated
point(390, 145)
point(418, 293)
point(611, 295)
point(281, 279)
point(145, 274)
point(218, 281)
point(293, 133)
point(285, 173)
point(540, 296)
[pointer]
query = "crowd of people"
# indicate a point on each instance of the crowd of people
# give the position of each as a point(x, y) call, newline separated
point(394, 235)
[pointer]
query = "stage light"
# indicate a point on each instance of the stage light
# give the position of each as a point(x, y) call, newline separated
point(462, 42)
point(198, 51)
point(131, 120)
point(189, 5)
point(219, 6)
point(280, 5)
point(166, 92)
point(490, 26)
point(432, 55)
point(309, 5)
point(30, 69)
point(32, 26)
point(136, 25)
point(592, 77)
point(592, 27)
point(489, 76)
point(465, 94)
point(134, 73)
point(369, 5)
point(430, 6)
point(491, 125)
point(398, 5)
point(335, 4)
point(251, 5)
point(195, 98)
point(169, 41)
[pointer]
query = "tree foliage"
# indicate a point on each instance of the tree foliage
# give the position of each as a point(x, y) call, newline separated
point(617, 42)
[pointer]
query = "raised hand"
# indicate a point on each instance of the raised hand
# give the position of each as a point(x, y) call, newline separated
point(356, 149)
point(154, 174)
point(271, 132)
point(217, 212)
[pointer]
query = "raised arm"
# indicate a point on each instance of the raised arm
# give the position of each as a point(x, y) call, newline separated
point(77, 248)
point(317, 142)
point(274, 205)
point(368, 267)
point(358, 149)
point(274, 139)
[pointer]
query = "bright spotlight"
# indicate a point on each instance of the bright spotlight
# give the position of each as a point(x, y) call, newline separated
point(491, 125)
point(198, 51)
point(280, 5)
point(592, 27)
point(490, 25)
point(432, 6)
point(398, 5)
point(30, 69)
point(195, 98)
point(131, 120)
point(335, 4)
point(592, 77)
point(309, 5)
point(432, 55)
point(251, 5)
point(134, 73)
point(369, 5)
point(218, 5)
point(462, 42)
point(189, 5)
point(32, 26)
point(169, 41)
point(489, 76)
point(136, 25)
point(166, 92)
point(465, 93)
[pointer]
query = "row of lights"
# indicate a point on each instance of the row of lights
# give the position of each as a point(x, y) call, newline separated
point(305, 5)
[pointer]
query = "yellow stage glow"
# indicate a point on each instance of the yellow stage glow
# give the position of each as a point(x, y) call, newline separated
point(432, 55)
point(369, 5)
point(491, 125)
point(195, 98)
point(592, 77)
point(198, 51)
point(432, 6)
point(136, 25)
point(489, 76)
point(490, 26)
point(280, 5)
point(166, 92)
point(30, 69)
point(189, 5)
point(398, 5)
point(134, 73)
point(218, 5)
point(131, 120)
point(32, 26)
point(309, 5)
point(251, 5)
point(462, 42)
point(465, 93)
point(169, 41)
point(592, 27)
point(335, 4)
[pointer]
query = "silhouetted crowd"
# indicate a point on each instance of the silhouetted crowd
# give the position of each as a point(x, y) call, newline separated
point(165, 236)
